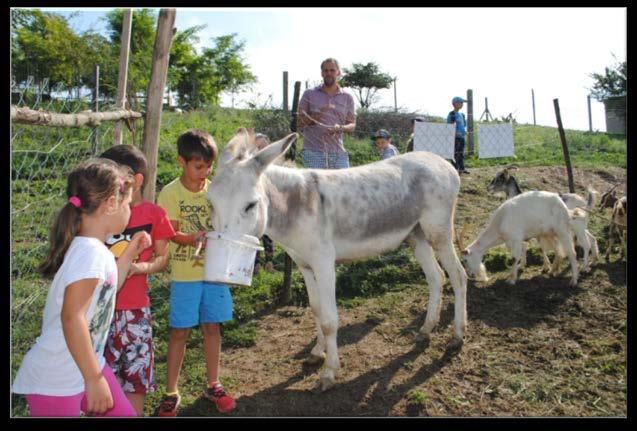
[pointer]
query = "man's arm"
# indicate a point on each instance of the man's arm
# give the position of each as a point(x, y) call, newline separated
point(302, 113)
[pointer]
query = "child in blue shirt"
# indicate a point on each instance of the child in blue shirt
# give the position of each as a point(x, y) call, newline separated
point(458, 117)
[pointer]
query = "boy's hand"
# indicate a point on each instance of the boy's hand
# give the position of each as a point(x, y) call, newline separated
point(98, 395)
point(140, 241)
point(198, 238)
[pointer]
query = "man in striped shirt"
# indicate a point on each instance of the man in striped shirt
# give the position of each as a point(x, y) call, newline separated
point(324, 113)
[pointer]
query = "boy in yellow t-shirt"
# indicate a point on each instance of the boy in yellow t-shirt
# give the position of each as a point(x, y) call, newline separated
point(193, 301)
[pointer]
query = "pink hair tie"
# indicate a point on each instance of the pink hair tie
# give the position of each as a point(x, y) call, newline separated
point(75, 201)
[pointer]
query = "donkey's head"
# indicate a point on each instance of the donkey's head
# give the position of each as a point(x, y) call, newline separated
point(236, 193)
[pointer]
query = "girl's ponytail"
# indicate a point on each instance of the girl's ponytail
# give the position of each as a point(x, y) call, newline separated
point(65, 227)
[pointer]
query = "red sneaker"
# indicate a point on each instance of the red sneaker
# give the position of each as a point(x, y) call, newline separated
point(217, 394)
point(168, 406)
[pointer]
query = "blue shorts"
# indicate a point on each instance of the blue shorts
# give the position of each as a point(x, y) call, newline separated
point(195, 302)
point(322, 160)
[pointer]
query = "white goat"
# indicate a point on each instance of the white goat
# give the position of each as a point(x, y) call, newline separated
point(505, 182)
point(535, 214)
point(322, 217)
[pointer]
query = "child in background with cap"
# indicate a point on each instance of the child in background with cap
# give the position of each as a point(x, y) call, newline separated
point(382, 140)
point(458, 118)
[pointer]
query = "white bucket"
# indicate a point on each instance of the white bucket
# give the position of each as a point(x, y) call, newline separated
point(230, 259)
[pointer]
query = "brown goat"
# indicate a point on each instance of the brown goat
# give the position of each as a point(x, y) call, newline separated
point(608, 198)
point(618, 225)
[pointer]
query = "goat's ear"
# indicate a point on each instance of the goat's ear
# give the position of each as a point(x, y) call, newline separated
point(263, 158)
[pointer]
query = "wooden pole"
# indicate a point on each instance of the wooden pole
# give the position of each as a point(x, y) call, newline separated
point(395, 99)
point(53, 119)
point(286, 289)
point(155, 96)
point(96, 107)
point(123, 72)
point(567, 158)
point(470, 119)
point(285, 92)
point(590, 117)
point(533, 101)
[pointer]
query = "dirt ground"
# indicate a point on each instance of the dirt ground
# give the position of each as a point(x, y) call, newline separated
point(539, 348)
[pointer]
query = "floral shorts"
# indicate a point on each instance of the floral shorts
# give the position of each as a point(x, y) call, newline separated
point(129, 350)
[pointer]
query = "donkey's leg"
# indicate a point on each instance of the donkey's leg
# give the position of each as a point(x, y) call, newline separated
point(435, 279)
point(325, 274)
point(458, 278)
point(318, 352)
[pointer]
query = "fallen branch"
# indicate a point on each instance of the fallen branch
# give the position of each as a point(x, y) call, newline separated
point(86, 118)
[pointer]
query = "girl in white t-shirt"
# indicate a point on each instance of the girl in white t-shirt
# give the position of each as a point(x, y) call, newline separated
point(65, 373)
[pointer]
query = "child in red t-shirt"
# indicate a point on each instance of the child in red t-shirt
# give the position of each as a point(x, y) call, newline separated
point(129, 349)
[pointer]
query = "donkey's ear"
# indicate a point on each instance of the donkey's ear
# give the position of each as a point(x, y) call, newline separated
point(263, 158)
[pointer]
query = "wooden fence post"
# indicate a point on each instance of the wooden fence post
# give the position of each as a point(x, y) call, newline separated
point(533, 101)
point(96, 108)
point(470, 119)
point(123, 72)
point(590, 117)
point(567, 158)
point(155, 96)
point(395, 97)
point(286, 289)
point(285, 92)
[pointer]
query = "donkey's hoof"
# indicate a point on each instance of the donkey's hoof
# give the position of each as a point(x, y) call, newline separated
point(327, 383)
point(456, 342)
point(315, 359)
point(423, 335)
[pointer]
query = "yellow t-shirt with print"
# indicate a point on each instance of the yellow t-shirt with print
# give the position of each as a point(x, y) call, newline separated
point(193, 212)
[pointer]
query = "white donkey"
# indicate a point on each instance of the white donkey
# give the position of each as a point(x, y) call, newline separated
point(324, 217)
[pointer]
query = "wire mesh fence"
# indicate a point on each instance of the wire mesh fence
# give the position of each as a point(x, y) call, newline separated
point(41, 157)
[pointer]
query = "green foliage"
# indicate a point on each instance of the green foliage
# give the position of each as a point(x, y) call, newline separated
point(416, 397)
point(200, 79)
point(366, 79)
point(274, 123)
point(611, 83)
point(44, 46)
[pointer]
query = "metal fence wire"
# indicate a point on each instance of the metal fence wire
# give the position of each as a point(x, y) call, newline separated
point(41, 158)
